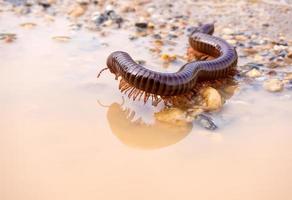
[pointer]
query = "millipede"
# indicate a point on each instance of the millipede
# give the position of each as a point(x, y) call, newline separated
point(136, 80)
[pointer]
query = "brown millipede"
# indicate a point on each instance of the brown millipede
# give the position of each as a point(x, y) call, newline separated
point(137, 80)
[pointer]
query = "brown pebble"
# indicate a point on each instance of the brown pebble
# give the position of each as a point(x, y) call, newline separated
point(77, 11)
point(273, 85)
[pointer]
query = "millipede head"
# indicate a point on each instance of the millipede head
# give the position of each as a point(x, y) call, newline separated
point(110, 62)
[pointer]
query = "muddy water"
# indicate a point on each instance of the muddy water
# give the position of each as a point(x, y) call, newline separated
point(58, 142)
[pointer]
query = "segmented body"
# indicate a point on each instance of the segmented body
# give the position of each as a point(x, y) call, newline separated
point(138, 80)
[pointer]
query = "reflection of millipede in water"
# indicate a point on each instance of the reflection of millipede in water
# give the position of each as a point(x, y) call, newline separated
point(137, 80)
point(139, 134)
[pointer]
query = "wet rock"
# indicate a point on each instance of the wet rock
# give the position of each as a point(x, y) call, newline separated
point(83, 2)
point(133, 37)
point(265, 25)
point(258, 58)
point(28, 25)
point(228, 31)
point(108, 18)
point(173, 115)
point(157, 36)
point(168, 58)
point(282, 53)
point(61, 38)
point(254, 73)
point(46, 4)
point(206, 122)
point(128, 8)
point(253, 65)
point(99, 18)
point(212, 98)
point(141, 25)
point(288, 76)
point(273, 65)
point(240, 38)
point(231, 41)
point(272, 73)
point(250, 51)
point(273, 85)
point(75, 26)
point(77, 11)
point(8, 37)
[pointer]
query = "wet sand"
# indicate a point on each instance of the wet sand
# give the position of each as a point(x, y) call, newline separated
point(57, 142)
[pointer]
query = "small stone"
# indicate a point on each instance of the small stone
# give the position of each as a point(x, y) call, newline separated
point(265, 25)
point(212, 98)
point(77, 11)
point(28, 25)
point(109, 8)
point(98, 18)
point(240, 38)
point(173, 115)
point(61, 38)
point(288, 76)
point(8, 37)
point(51, 1)
point(232, 42)
point(168, 58)
point(250, 51)
point(128, 8)
point(206, 122)
point(289, 55)
point(83, 2)
point(254, 73)
point(142, 25)
point(273, 85)
point(46, 4)
point(49, 18)
point(258, 58)
point(272, 73)
point(253, 65)
point(273, 65)
point(227, 31)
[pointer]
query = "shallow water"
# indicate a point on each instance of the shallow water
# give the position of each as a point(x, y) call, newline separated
point(57, 142)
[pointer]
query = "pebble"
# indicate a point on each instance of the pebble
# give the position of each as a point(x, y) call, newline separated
point(288, 76)
point(61, 38)
point(253, 65)
point(273, 65)
point(206, 122)
point(231, 41)
point(168, 58)
point(172, 115)
point(212, 98)
point(142, 25)
point(240, 37)
point(28, 25)
point(108, 18)
point(254, 73)
point(77, 11)
point(228, 31)
point(250, 51)
point(83, 2)
point(8, 37)
point(258, 58)
point(273, 85)
point(289, 55)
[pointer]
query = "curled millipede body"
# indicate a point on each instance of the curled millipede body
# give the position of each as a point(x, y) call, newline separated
point(137, 80)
